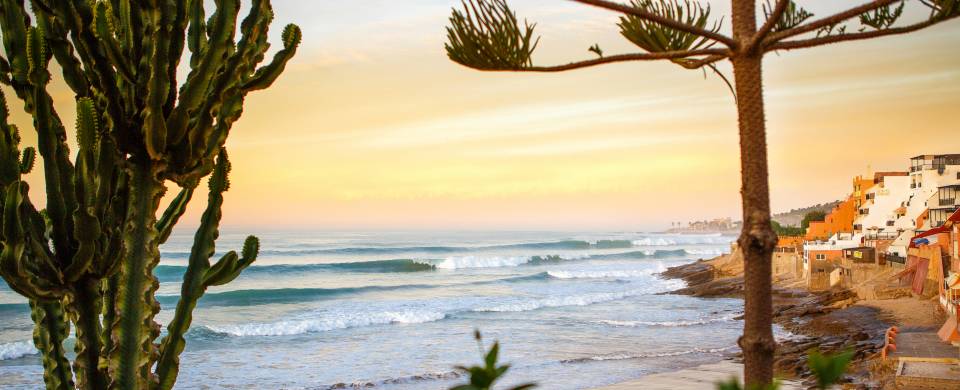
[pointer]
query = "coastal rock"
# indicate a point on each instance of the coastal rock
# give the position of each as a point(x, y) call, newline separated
point(825, 320)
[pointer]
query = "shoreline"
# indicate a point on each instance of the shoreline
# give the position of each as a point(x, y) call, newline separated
point(833, 321)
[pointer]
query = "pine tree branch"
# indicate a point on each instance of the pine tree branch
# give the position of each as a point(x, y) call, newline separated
point(830, 39)
point(626, 9)
point(714, 55)
point(708, 61)
point(827, 21)
point(768, 26)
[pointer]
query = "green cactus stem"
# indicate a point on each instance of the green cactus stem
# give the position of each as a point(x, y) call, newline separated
point(195, 280)
point(134, 329)
point(88, 257)
point(50, 330)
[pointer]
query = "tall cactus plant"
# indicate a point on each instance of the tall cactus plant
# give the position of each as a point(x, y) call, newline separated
point(86, 259)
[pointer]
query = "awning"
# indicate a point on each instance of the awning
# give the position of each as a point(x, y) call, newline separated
point(925, 237)
point(955, 218)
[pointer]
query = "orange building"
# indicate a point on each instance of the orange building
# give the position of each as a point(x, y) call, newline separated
point(789, 244)
point(860, 187)
point(840, 219)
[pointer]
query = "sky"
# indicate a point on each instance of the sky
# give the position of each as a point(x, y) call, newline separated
point(372, 127)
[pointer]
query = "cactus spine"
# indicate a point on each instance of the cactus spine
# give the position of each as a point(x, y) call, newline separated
point(86, 259)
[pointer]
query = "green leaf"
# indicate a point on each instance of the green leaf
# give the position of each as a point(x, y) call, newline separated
point(828, 369)
point(655, 37)
point(487, 36)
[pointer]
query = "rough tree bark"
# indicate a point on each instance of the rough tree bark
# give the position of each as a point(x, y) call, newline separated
point(757, 240)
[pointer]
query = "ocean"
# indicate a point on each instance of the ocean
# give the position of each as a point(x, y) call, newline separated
point(321, 310)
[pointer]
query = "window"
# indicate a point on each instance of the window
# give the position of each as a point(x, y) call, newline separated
point(890, 223)
point(821, 256)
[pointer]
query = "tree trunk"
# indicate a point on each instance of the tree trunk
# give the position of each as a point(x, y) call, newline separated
point(757, 240)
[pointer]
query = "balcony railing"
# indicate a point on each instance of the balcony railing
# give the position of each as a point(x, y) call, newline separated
point(881, 235)
point(948, 202)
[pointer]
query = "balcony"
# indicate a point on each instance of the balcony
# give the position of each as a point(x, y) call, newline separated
point(874, 236)
point(948, 202)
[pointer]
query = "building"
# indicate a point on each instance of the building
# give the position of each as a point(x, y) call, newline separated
point(928, 174)
point(817, 254)
point(839, 220)
point(947, 241)
point(942, 205)
point(877, 215)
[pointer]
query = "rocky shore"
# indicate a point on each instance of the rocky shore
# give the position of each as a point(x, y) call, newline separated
point(827, 320)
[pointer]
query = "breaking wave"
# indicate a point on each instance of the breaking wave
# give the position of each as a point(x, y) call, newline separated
point(167, 273)
point(296, 295)
point(658, 240)
point(461, 262)
point(16, 350)
point(633, 356)
point(683, 239)
point(617, 274)
point(361, 316)
point(705, 252)
point(395, 381)
point(351, 320)
point(671, 324)
point(174, 273)
point(541, 303)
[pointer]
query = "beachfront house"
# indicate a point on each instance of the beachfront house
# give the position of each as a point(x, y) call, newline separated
point(882, 206)
point(928, 174)
point(948, 284)
point(822, 258)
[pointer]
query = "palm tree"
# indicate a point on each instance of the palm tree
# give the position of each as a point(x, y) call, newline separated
point(487, 36)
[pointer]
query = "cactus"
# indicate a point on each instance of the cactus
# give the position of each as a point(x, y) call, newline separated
point(86, 259)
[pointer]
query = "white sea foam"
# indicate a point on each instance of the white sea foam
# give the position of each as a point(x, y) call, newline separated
point(555, 301)
point(331, 322)
point(682, 240)
point(384, 313)
point(618, 274)
point(705, 252)
point(631, 356)
point(671, 324)
point(16, 350)
point(462, 262)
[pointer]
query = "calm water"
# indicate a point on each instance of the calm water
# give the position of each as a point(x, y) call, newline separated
point(398, 310)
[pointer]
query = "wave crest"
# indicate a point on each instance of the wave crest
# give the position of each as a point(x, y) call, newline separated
point(633, 356)
point(16, 350)
point(617, 274)
point(671, 324)
point(352, 320)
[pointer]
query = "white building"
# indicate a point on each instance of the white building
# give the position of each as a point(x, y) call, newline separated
point(836, 243)
point(941, 206)
point(877, 217)
point(928, 173)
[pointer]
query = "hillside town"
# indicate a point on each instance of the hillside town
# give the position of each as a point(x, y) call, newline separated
point(897, 234)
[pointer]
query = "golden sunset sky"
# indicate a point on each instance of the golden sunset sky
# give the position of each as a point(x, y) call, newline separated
point(371, 127)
